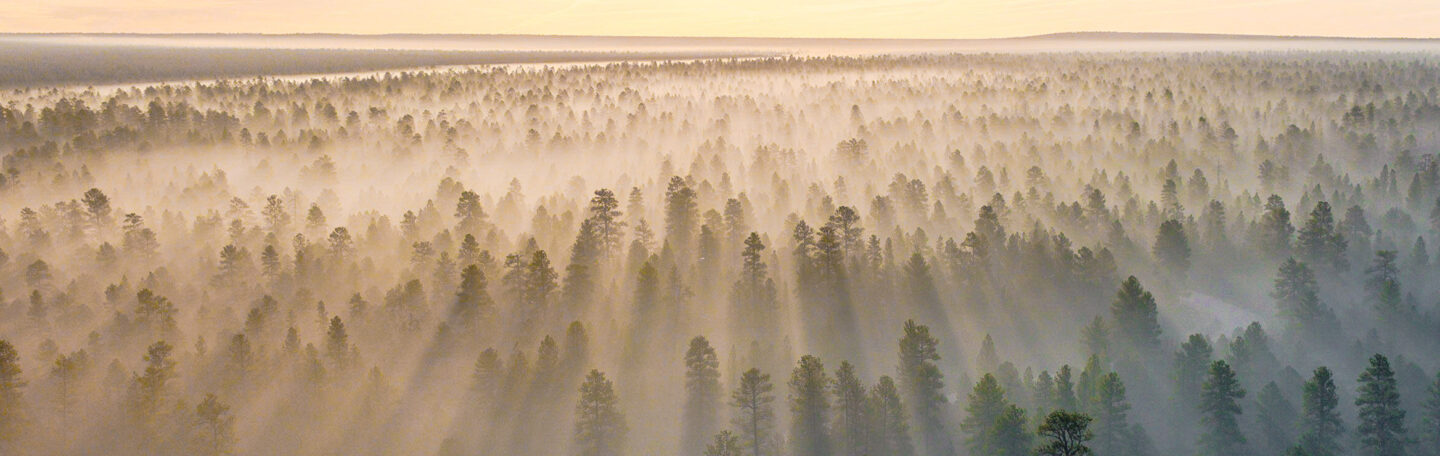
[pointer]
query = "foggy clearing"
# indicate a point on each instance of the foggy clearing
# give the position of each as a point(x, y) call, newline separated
point(1170, 250)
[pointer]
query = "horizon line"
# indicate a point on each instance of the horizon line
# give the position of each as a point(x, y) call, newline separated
point(1052, 35)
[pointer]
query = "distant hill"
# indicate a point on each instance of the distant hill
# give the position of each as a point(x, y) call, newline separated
point(33, 60)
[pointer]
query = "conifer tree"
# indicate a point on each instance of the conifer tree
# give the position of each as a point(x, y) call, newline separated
point(754, 414)
point(888, 430)
point(10, 395)
point(702, 395)
point(1112, 427)
point(1320, 424)
point(851, 412)
point(1136, 318)
point(923, 387)
point(599, 426)
point(985, 405)
point(1065, 434)
point(1275, 420)
point(809, 408)
point(1382, 421)
point(1220, 409)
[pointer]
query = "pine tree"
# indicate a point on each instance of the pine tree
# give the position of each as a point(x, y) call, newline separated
point(753, 295)
point(1136, 318)
point(1008, 436)
point(150, 388)
point(1065, 399)
point(605, 212)
point(1319, 242)
point(1319, 421)
point(599, 426)
point(217, 426)
point(888, 429)
point(1112, 427)
point(1275, 230)
point(10, 396)
point(809, 408)
point(581, 274)
point(1430, 419)
point(985, 405)
point(1382, 287)
point(851, 412)
point(337, 344)
point(724, 444)
point(1275, 420)
point(1219, 408)
point(1192, 364)
point(702, 395)
point(1297, 295)
point(923, 386)
point(681, 215)
point(471, 300)
point(1172, 248)
point(1065, 434)
point(754, 415)
point(1382, 421)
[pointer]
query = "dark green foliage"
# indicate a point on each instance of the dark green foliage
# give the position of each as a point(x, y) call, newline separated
point(1172, 249)
point(809, 408)
point(852, 418)
point(754, 415)
point(1220, 411)
point(888, 430)
point(1064, 434)
point(702, 395)
point(1136, 317)
point(1382, 421)
point(10, 394)
point(985, 405)
point(923, 387)
point(1275, 421)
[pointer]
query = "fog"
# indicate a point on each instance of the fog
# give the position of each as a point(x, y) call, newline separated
point(873, 253)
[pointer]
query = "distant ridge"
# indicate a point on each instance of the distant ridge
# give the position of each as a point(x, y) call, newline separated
point(721, 40)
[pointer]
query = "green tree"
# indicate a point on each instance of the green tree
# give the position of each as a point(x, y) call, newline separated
point(599, 426)
point(1275, 420)
point(217, 426)
point(1112, 428)
point(605, 212)
point(150, 388)
point(724, 444)
point(1008, 435)
point(923, 386)
point(1220, 409)
point(1382, 287)
point(1275, 231)
point(681, 215)
point(1297, 295)
point(1320, 423)
point(1319, 242)
point(1172, 248)
point(1382, 421)
point(985, 405)
point(471, 299)
point(702, 395)
point(754, 415)
point(1065, 434)
point(753, 296)
point(851, 412)
point(888, 429)
point(10, 396)
point(1430, 435)
point(809, 408)
point(1136, 316)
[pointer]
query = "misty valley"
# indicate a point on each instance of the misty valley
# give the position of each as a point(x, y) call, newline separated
point(926, 254)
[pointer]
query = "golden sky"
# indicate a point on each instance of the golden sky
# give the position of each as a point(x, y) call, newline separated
point(763, 18)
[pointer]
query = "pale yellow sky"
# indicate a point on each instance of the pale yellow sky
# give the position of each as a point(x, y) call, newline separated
point(763, 18)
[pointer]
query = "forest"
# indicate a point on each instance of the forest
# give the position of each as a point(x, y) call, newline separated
point(1059, 254)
